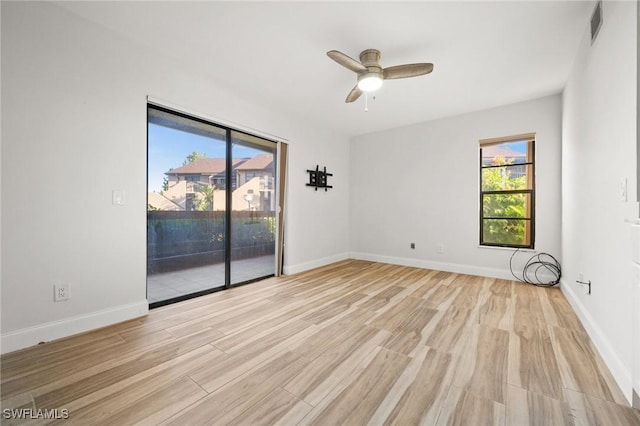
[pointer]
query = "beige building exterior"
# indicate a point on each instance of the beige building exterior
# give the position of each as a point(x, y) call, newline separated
point(189, 186)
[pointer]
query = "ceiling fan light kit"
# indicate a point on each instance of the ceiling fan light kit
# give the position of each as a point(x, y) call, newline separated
point(370, 82)
point(370, 74)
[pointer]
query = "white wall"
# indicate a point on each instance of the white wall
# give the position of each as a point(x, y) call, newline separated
point(636, 298)
point(599, 148)
point(74, 129)
point(420, 184)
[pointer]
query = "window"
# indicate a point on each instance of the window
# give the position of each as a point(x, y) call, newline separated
point(507, 195)
point(190, 202)
point(218, 182)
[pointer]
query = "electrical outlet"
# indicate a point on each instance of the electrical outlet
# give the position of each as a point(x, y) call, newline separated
point(413, 246)
point(440, 249)
point(60, 292)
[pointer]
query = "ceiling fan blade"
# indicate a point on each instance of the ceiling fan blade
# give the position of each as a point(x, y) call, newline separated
point(346, 61)
point(353, 95)
point(408, 70)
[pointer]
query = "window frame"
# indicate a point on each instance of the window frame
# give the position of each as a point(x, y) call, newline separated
point(530, 191)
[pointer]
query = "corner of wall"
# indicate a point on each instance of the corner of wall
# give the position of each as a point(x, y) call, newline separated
point(317, 263)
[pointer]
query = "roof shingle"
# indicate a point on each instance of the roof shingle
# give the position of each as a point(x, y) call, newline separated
point(205, 166)
point(259, 162)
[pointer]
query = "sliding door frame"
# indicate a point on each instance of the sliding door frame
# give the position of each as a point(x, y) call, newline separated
point(227, 208)
point(281, 173)
point(279, 193)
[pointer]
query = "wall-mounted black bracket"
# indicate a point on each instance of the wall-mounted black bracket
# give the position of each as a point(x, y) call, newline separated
point(318, 178)
point(587, 283)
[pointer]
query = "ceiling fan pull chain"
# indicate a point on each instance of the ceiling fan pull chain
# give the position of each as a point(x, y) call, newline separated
point(366, 101)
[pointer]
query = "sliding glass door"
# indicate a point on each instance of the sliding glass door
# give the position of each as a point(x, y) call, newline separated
point(210, 207)
point(253, 208)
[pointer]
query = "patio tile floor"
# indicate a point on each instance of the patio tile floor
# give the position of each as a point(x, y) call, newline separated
point(179, 283)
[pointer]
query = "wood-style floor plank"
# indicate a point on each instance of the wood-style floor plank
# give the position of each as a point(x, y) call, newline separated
point(233, 399)
point(452, 330)
point(381, 299)
point(464, 408)
point(441, 296)
point(419, 399)
point(152, 407)
point(502, 288)
point(331, 371)
point(66, 394)
point(529, 408)
point(112, 397)
point(328, 362)
point(358, 402)
point(565, 317)
point(590, 410)
point(532, 363)
point(270, 410)
point(483, 366)
point(497, 312)
point(355, 342)
point(581, 368)
point(213, 377)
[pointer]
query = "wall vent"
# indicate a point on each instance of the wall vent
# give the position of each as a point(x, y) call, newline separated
point(596, 21)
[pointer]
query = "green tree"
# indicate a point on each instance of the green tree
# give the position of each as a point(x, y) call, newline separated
point(165, 183)
point(195, 155)
point(206, 199)
point(503, 231)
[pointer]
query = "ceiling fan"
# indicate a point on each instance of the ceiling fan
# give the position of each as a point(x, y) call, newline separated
point(371, 74)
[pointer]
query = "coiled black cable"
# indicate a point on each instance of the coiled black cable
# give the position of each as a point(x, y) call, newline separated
point(543, 262)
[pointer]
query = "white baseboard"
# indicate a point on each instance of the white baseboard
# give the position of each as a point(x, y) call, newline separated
point(30, 336)
point(620, 373)
point(301, 267)
point(439, 266)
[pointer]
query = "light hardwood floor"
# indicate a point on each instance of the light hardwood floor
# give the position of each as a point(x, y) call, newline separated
point(350, 343)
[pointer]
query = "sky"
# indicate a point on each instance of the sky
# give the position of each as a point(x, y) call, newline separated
point(520, 146)
point(168, 149)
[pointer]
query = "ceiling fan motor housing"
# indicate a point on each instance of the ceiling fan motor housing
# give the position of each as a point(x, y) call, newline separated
point(371, 79)
point(372, 72)
point(370, 57)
